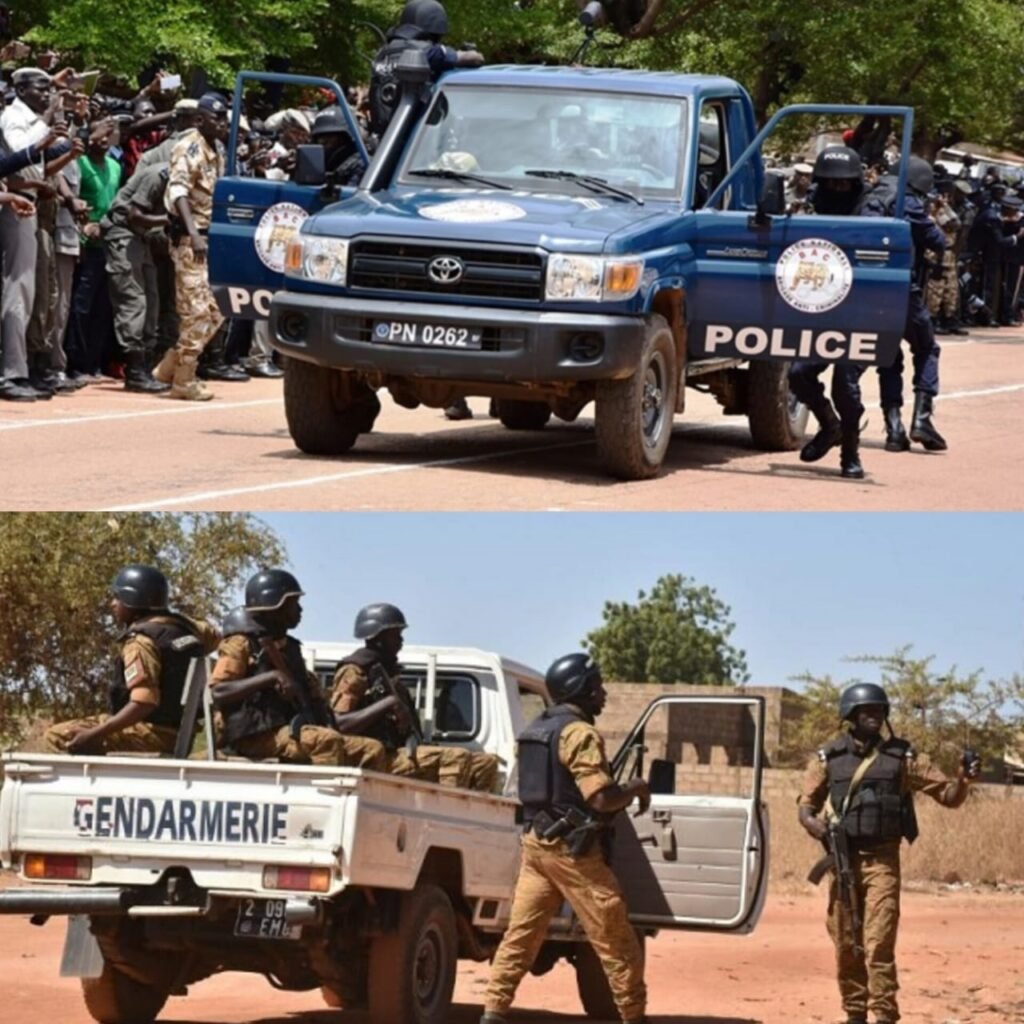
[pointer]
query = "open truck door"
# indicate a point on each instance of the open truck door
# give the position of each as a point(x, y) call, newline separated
point(698, 857)
point(780, 286)
point(254, 219)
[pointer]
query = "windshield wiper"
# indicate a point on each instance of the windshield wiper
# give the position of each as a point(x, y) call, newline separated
point(587, 181)
point(438, 172)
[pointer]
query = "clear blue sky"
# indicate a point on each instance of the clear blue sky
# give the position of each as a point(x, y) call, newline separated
point(806, 590)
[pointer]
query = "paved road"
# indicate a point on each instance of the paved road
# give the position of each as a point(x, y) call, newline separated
point(103, 448)
point(959, 960)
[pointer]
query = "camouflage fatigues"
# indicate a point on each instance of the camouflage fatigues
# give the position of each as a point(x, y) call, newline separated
point(314, 744)
point(549, 874)
point(449, 766)
point(943, 294)
point(142, 667)
point(867, 981)
point(195, 167)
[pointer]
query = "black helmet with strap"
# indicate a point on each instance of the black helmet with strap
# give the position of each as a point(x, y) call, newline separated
point(142, 587)
point(859, 695)
point(268, 590)
point(838, 162)
point(374, 619)
point(572, 676)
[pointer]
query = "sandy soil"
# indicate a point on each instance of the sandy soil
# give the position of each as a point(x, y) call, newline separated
point(104, 448)
point(960, 958)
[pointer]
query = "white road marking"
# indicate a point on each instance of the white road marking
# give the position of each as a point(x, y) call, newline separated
point(350, 474)
point(981, 393)
point(187, 407)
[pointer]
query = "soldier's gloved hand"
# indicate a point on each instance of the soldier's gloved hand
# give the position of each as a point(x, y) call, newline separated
point(970, 764)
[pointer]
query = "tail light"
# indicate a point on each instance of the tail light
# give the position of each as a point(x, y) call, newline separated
point(297, 879)
point(56, 865)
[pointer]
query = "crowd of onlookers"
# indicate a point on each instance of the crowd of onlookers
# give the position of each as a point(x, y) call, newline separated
point(84, 236)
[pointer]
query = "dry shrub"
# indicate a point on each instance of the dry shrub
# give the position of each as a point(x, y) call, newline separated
point(977, 843)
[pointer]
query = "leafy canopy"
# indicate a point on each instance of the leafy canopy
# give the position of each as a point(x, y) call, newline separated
point(56, 635)
point(679, 633)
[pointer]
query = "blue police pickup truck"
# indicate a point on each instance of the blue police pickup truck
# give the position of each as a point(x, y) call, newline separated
point(550, 237)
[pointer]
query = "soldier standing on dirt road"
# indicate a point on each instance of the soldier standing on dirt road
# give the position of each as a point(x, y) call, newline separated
point(866, 784)
point(564, 774)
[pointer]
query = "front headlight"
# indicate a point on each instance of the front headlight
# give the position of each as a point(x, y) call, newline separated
point(317, 258)
point(592, 278)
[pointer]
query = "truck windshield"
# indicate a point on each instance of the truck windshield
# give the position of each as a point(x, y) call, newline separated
point(633, 142)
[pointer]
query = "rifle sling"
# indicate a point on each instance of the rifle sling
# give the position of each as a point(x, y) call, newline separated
point(858, 776)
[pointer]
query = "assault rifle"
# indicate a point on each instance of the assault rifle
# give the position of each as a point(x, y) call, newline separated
point(579, 830)
point(391, 687)
point(311, 712)
point(837, 858)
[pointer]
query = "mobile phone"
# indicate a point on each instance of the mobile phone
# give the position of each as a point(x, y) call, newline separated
point(169, 82)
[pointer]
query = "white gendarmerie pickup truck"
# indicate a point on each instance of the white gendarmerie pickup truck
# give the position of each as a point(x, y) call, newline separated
point(368, 886)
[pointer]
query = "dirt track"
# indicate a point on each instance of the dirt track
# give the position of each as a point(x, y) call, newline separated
point(960, 959)
point(104, 448)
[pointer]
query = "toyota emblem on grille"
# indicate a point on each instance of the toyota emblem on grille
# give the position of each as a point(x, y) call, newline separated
point(445, 270)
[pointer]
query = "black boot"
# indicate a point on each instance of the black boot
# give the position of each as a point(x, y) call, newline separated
point(922, 430)
point(826, 438)
point(849, 457)
point(139, 377)
point(896, 439)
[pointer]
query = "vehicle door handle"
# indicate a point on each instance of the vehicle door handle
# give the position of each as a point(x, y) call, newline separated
point(666, 839)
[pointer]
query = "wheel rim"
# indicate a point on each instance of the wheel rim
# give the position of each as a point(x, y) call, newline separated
point(428, 969)
point(652, 400)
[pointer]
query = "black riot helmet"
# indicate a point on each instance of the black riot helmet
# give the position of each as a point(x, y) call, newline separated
point(920, 176)
point(572, 676)
point(141, 587)
point(838, 162)
point(330, 121)
point(374, 619)
point(430, 17)
point(238, 621)
point(859, 695)
point(268, 590)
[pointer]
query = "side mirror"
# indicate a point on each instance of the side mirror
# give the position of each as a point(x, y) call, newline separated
point(773, 195)
point(663, 776)
point(310, 166)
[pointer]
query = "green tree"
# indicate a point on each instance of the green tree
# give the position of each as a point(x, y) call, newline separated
point(941, 713)
point(679, 633)
point(55, 571)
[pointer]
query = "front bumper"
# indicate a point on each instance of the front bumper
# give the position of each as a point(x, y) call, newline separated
point(519, 345)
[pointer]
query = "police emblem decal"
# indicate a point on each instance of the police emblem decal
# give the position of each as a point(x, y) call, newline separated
point(814, 275)
point(472, 211)
point(277, 227)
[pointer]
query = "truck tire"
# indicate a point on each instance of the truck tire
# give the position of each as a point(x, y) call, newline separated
point(516, 414)
point(592, 982)
point(412, 968)
point(777, 420)
point(633, 417)
point(325, 409)
point(116, 998)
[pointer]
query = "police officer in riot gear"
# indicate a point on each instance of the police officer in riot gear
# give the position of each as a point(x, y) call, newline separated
point(919, 331)
point(422, 25)
point(156, 648)
point(271, 705)
point(369, 699)
point(864, 784)
point(838, 183)
point(341, 158)
point(569, 798)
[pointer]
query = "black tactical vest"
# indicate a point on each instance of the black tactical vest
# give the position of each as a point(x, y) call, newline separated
point(385, 728)
point(545, 784)
point(881, 808)
point(267, 709)
point(178, 644)
point(385, 88)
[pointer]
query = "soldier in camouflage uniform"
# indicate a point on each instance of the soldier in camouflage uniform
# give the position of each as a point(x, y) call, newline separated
point(197, 161)
point(369, 699)
point(270, 704)
point(156, 647)
point(558, 868)
point(943, 293)
point(867, 783)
